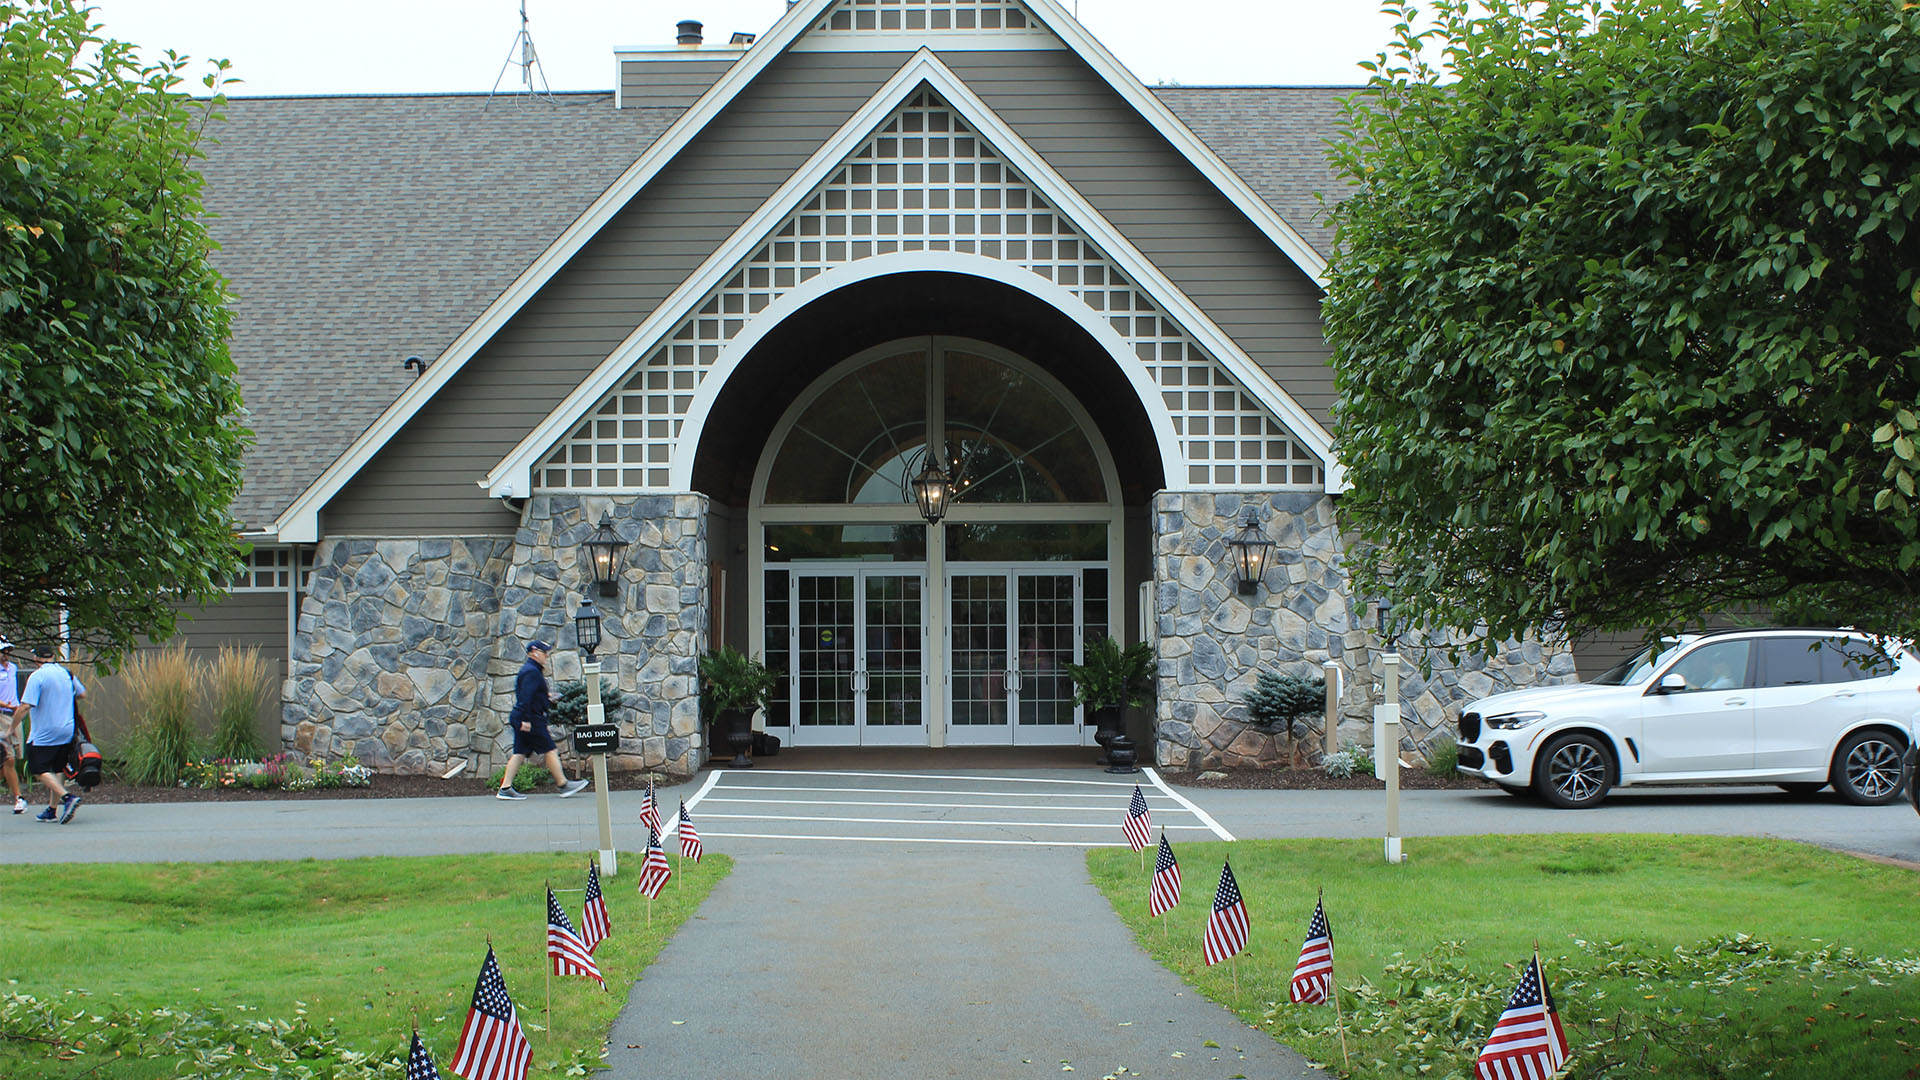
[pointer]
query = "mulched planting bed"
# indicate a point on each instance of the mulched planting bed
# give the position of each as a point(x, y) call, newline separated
point(383, 787)
point(1312, 780)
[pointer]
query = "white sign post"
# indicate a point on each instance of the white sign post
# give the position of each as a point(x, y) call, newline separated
point(596, 717)
point(1386, 750)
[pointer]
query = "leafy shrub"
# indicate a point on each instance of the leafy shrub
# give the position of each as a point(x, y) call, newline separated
point(571, 709)
point(527, 779)
point(730, 679)
point(160, 687)
point(241, 681)
point(1443, 758)
point(1345, 763)
point(340, 773)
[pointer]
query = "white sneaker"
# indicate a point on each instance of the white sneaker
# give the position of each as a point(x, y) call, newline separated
point(509, 794)
point(20, 806)
point(574, 787)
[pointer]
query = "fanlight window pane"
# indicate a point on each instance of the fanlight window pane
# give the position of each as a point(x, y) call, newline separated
point(1008, 438)
point(855, 442)
point(1009, 542)
point(1016, 441)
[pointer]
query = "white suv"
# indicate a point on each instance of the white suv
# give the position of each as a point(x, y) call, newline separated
point(1798, 708)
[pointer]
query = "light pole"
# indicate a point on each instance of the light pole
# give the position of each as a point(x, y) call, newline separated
point(597, 736)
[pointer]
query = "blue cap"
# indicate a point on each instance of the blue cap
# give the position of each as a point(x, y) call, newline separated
point(538, 644)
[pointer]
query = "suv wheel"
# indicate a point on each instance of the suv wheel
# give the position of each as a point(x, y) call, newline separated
point(1869, 768)
point(1573, 772)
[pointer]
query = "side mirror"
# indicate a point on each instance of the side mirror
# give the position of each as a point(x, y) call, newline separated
point(1672, 682)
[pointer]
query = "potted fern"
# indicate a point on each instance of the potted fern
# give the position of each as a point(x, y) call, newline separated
point(1111, 680)
point(735, 686)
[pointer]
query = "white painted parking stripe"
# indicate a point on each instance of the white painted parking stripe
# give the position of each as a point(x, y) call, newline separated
point(1107, 796)
point(917, 840)
point(993, 779)
point(1182, 800)
point(911, 804)
point(930, 821)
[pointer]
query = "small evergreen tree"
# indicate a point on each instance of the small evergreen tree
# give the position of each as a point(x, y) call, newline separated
point(1283, 705)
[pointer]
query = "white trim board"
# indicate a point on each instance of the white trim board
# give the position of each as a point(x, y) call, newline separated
point(299, 523)
point(512, 475)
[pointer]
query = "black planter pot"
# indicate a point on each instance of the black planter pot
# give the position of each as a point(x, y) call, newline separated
point(1122, 754)
point(738, 724)
point(1106, 725)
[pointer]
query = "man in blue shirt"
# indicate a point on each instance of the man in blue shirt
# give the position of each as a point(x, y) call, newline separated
point(531, 699)
point(48, 702)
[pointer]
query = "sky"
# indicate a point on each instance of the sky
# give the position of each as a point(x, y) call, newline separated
point(415, 46)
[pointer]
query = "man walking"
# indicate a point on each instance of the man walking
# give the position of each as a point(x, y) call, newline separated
point(48, 702)
point(9, 701)
point(531, 698)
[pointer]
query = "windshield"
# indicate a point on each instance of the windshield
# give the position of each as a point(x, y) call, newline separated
point(1638, 668)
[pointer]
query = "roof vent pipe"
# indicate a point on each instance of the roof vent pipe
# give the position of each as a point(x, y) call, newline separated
point(689, 37)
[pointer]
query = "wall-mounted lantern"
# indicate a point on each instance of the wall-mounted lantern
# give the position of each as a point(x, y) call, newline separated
point(603, 555)
point(1251, 549)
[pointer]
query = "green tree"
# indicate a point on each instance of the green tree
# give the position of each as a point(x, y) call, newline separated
point(120, 432)
point(1625, 314)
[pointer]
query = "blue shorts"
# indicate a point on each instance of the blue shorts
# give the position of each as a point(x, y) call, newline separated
point(533, 743)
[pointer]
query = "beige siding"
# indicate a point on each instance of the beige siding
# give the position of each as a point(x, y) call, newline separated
point(1165, 207)
point(423, 481)
point(669, 84)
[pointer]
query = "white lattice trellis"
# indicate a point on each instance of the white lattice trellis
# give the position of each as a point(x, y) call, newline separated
point(883, 15)
point(926, 182)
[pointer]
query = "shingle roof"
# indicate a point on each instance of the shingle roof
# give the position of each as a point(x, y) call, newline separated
point(1275, 137)
point(358, 231)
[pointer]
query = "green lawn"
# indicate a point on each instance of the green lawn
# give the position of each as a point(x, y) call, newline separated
point(1669, 956)
point(311, 962)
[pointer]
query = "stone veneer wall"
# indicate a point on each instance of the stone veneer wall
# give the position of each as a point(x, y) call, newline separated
point(1214, 643)
point(406, 649)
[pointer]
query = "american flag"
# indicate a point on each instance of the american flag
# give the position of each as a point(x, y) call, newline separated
point(1227, 925)
point(1527, 1043)
point(650, 809)
point(593, 917)
point(492, 1046)
point(654, 872)
point(1164, 893)
point(569, 954)
point(1139, 823)
point(1313, 975)
point(689, 839)
point(420, 1063)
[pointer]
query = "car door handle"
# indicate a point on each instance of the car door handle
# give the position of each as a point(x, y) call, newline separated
point(1736, 701)
point(1844, 693)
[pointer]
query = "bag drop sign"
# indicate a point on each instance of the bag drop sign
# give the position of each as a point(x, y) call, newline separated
point(596, 738)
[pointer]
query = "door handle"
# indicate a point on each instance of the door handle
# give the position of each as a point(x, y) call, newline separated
point(1736, 701)
point(1014, 678)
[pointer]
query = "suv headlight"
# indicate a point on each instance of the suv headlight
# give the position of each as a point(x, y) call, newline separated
point(1512, 720)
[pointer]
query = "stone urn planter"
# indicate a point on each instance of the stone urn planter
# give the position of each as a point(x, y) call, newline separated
point(1110, 681)
point(738, 726)
point(736, 685)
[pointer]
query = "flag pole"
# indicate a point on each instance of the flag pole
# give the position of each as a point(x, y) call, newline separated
point(1333, 986)
point(549, 967)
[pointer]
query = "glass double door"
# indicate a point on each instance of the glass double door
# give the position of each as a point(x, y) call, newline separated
point(1012, 631)
point(857, 643)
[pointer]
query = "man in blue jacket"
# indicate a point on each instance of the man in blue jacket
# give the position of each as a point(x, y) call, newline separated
point(531, 699)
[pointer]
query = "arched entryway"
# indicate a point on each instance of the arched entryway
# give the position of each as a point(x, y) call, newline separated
point(892, 631)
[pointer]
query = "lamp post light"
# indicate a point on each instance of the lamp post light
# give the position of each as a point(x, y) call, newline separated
point(596, 736)
point(1251, 549)
point(603, 555)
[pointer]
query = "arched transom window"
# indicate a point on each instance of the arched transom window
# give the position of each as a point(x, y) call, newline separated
point(1007, 432)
